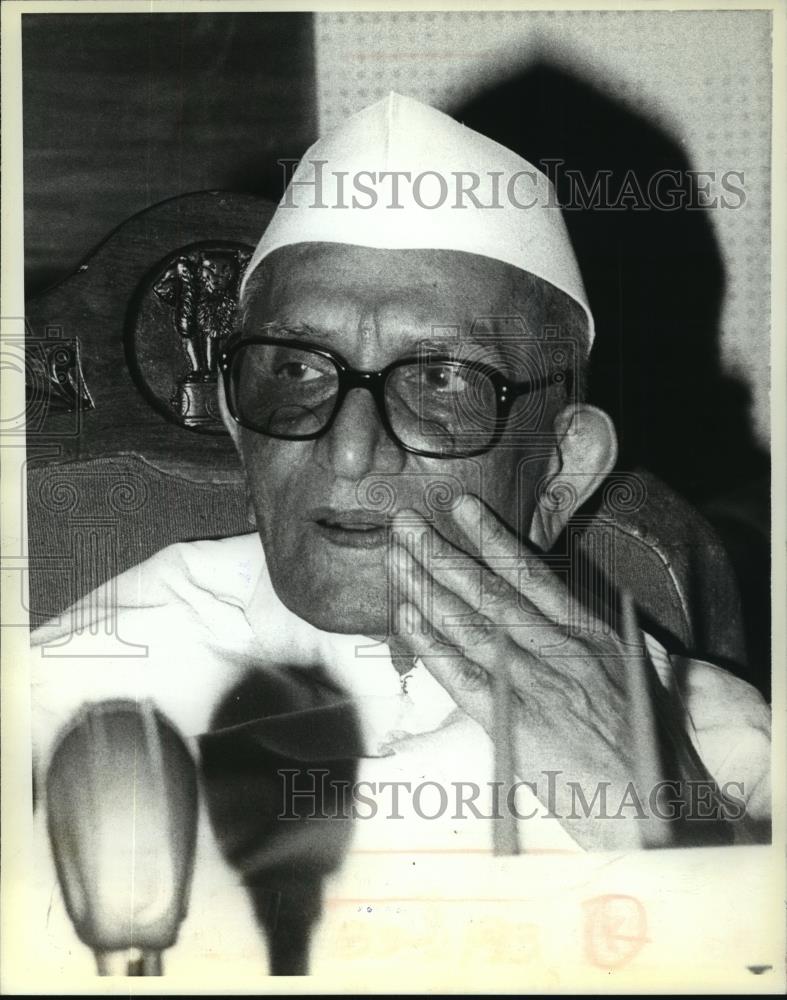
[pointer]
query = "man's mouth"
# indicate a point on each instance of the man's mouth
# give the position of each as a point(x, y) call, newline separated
point(358, 529)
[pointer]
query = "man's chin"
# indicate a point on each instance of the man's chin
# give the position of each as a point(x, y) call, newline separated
point(349, 619)
point(374, 626)
point(353, 609)
point(334, 588)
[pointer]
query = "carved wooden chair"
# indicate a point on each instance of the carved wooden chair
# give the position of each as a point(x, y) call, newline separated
point(126, 453)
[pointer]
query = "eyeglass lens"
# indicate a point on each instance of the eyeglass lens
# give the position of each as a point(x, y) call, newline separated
point(441, 406)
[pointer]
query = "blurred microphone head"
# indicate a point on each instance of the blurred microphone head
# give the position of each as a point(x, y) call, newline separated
point(122, 805)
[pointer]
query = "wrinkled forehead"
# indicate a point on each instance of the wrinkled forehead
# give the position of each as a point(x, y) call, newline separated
point(332, 284)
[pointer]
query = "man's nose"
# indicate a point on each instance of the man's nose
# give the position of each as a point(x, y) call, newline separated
point(357, 443)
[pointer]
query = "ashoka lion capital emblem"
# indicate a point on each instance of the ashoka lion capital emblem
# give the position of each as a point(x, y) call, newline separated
point(185, 315)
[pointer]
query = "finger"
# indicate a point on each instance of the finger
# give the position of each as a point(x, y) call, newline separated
point(446, 615)
point(482, 642)
point(467, 683)
point(501, 550)
point(460, 570)
point(480, 589)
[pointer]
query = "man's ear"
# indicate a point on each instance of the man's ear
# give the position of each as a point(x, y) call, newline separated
point(585, 453)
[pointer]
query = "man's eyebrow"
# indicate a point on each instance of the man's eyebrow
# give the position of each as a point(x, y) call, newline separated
point(415, 344)
point(441, 343)
point(470, 348)
point(281, 328)
point(306, 331)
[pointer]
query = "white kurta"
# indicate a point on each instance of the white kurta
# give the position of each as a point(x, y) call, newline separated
point(186, 626)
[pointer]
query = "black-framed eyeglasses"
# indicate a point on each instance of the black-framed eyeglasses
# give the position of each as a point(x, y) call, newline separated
point(430, 404)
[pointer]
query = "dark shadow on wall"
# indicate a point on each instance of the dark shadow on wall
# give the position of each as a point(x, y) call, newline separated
point(656, 281)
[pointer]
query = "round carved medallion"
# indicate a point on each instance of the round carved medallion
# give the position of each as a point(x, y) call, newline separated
point(179, 320)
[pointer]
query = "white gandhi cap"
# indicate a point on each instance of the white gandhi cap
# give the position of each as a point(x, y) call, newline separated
point(400, 175)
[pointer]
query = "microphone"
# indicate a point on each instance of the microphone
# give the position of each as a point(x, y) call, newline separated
point(122, 805)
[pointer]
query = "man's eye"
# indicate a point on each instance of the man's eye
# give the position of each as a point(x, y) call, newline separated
point(444, 378)
point(297, 371)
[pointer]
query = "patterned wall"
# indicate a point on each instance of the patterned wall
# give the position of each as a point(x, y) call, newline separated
point(702, 78)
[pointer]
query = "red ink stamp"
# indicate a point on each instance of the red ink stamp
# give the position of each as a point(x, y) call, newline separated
point(615, 930)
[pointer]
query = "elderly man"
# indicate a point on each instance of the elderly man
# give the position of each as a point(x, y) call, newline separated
point(405, 391)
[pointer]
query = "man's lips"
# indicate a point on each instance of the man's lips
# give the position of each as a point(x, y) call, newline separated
point(352, 528)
